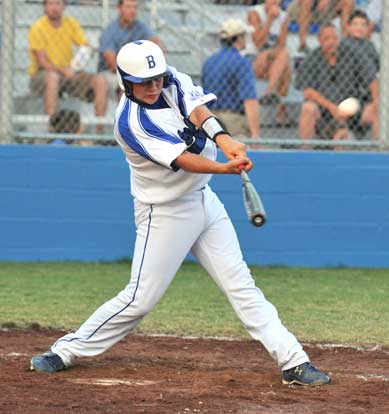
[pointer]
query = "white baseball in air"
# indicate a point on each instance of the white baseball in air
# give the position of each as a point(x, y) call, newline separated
point(349, 106)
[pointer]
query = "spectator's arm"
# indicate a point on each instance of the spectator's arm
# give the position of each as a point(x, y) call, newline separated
point(284, 33)
point(78, 35)
point(261, 32)
point(314, 95)
point(251, 109)
point(44, 63)
point(373, 87)
point(110, 59)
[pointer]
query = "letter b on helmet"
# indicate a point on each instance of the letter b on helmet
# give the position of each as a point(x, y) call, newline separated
point(151, 61)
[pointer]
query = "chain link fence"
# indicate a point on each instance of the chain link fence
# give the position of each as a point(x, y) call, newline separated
point(81, 114)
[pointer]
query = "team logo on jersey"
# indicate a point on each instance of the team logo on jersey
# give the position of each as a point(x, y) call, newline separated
point(151, 61)
point(195, 94)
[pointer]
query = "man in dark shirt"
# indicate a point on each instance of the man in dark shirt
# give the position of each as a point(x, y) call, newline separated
point(330, 74)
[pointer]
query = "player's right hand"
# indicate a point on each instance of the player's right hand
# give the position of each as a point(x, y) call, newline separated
point(238, 164)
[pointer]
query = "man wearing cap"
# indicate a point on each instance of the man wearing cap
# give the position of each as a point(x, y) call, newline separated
point(231, 77)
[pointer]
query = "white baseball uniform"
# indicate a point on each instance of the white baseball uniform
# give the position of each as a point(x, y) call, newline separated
point(176, 212)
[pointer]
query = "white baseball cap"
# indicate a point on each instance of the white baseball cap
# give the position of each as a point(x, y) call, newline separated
point(233, 27)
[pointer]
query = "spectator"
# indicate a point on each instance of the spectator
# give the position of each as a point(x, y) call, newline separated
point(328, 75)
point(271, 58)
point(65, 121)
point(358, 33)
point(51, 39)
point(126, 28)
point(68, 121)
point(318, 11)
point(230, 76)
point(358, 29)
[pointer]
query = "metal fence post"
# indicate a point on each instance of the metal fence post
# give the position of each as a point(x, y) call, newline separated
point(384, 79)
point(105, 14)
point(7, 47)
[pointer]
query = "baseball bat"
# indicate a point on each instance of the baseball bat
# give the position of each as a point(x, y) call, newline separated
point(252, 201)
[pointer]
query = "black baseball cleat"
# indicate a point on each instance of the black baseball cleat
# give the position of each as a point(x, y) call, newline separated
point(304, 374)
point(47, 362)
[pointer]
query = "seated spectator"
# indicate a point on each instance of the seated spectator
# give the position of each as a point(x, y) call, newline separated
point(126, 28)
point(357, 40)
point(230, 76)
point(327, 76)
point(67, 121)
point(270, 56)
point(51, 39)
point(358, 33)
point(306, 12)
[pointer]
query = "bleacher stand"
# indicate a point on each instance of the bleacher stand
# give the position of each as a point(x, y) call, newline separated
point(188, 29)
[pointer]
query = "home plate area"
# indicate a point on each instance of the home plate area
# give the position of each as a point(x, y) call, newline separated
point(149, 374)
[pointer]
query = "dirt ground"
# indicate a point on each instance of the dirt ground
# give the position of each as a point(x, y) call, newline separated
point(172, 375)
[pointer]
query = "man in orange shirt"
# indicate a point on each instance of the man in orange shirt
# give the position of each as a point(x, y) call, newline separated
point(51, 39)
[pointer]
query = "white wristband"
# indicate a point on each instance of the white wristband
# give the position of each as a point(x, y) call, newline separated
point(212, 128)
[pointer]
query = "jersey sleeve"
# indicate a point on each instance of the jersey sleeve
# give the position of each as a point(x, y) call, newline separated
point(144, 31)
point(78, 35)
point(147, 137)
point(189, 95)
point(107, 40)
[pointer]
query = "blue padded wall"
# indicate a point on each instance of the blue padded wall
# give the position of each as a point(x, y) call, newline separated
point(69, 203)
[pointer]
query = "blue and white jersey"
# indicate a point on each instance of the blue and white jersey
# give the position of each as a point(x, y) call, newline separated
point(149, 138)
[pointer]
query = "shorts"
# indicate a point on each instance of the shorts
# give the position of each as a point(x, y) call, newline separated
point(78, 87)
point(317, 17)
point(326, 126)
point(235, 122)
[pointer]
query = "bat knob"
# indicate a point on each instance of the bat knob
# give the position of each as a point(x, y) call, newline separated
point(258, 220)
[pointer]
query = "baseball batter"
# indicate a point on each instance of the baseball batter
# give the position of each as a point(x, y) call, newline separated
point(169, 138)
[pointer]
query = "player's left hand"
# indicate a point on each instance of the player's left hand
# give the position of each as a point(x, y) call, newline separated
point(233, 149)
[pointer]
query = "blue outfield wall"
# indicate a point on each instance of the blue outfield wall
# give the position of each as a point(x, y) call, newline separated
point(324, 208)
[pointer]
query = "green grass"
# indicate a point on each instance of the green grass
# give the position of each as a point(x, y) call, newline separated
point(331, 305)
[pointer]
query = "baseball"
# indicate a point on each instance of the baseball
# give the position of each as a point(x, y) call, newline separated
point(349, 106)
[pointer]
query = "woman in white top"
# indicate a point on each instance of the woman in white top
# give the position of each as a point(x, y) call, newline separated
point(270, 28)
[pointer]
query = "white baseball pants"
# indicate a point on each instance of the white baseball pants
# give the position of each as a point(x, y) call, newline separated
point(196, 222)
